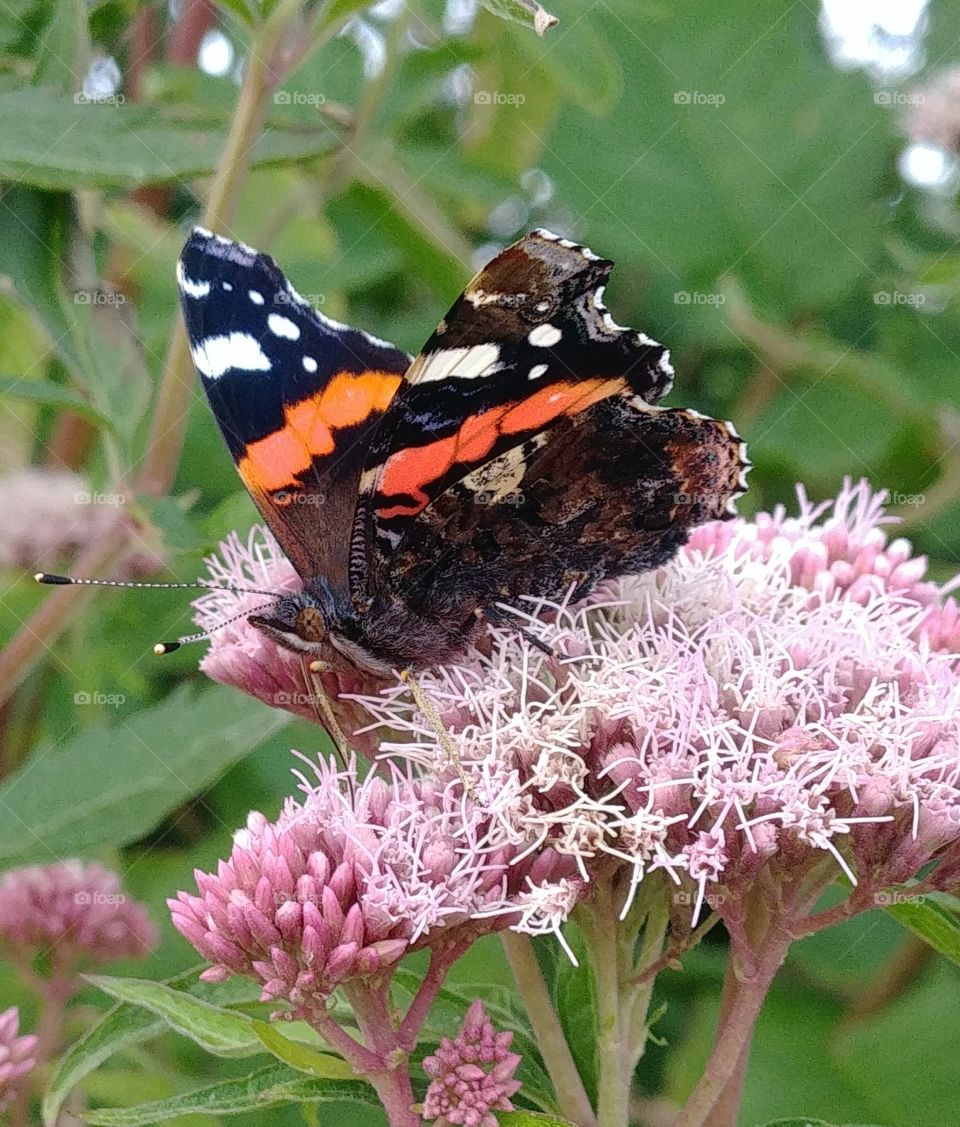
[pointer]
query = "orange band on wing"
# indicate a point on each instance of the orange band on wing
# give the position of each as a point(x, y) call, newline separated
point(408, 472)
point(308, 431)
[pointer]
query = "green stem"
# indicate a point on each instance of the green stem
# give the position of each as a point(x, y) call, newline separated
point(553, 1046)
point(169, 422)
point(640, 992)
point(39, 633)
point(602, 933)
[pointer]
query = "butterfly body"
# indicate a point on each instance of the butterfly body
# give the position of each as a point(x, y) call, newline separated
point(520, 454)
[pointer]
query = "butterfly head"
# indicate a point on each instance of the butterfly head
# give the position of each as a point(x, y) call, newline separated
point(296, 622)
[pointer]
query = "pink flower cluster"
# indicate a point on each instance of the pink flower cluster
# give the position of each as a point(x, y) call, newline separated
point(46, 515)
point(351, 877)
point(74, 911)
point(471, 1076)
point(242, 656)
point(16, 1056)
point(785, 688)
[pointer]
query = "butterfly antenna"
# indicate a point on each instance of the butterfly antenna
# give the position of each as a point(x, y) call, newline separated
point(71, 581)
point(162, 648)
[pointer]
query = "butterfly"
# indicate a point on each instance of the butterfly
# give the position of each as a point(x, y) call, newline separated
point(520, 454)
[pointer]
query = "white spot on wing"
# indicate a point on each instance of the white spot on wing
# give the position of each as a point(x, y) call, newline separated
point(456, 363)
point(537, 371)
point(216, 355)
point(189, 286)
point(309, 364)
point(282, 327)
point(256, 297)
point(227, 287)
point(544, 336)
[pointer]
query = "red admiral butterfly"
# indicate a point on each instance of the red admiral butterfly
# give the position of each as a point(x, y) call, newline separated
point(519, 454)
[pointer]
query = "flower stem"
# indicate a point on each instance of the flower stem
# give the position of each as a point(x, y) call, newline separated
point(168, 425)
point(440, 963)
point(391, 1077)
point(603, 935)
point(552, 1043)
point(54, 993)
point(715, 1100)
point(169, 421)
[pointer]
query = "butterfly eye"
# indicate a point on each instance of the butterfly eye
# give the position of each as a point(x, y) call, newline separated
point(310, 625)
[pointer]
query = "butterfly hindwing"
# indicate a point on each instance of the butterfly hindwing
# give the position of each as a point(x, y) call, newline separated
point(296, 395)
point(610, 491)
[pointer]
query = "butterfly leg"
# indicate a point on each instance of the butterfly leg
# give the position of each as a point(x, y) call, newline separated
point(498, 616)
point(321, 704)
point(429, 710)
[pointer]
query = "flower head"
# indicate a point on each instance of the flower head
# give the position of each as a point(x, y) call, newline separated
point(16, 1056)
point(351, 877)
point(48, 514)
point(785, 689)
point(471, 1076)
point(73, 911)
point(244, 657)
point(933, 113)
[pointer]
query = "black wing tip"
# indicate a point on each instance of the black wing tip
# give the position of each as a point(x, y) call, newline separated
point(202, 244)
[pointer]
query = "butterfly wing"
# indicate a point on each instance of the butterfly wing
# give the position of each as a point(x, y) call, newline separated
point(528, 342)
point(613, 490)
point(295, 394)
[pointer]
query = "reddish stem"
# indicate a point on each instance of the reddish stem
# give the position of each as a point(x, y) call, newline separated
point(416, 1015)
point(715, 1099)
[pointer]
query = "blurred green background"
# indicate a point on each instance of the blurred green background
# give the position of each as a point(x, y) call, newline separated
point(779, 196)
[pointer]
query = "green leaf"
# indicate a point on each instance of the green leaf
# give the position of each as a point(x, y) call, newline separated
point(110, 786)
point(935, 919)
point(45, 393)
point(265, 1088)
point(123, 1026)
point(219, 1031)
point(701, 131)
point(799, 1121)
point(334, 15)
point(51, 141)
point(239, 9)
point(34, 239)
point(527, 12)
point(302, 1057)
point(65, 50)
point(170, 516)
